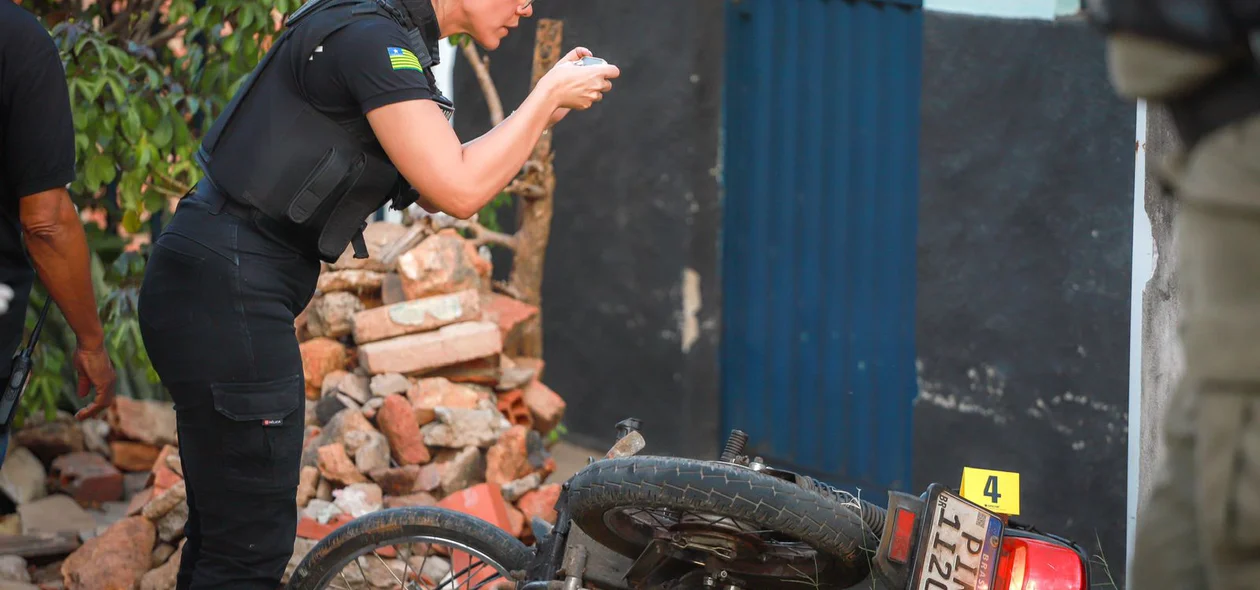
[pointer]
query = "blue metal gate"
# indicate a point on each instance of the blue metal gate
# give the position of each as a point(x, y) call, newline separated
point(820, 175)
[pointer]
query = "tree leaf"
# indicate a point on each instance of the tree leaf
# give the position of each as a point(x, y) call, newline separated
point(131, 221)
point(131, 125)
point(162, 134)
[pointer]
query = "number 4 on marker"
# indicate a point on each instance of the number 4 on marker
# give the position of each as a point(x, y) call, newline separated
point(995, 490)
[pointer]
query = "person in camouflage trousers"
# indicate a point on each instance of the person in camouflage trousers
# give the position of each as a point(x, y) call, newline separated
point(1200, 526)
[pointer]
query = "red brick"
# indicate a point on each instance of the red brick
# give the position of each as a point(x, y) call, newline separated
point(439, 264)
point(144, 421)
point(484, 267)
point(413, 499)
point(397, 421)
point(545, 405)
point(133, 456)
point(335, 465)
point(430, 393)
point(483, 501)
point(482, 371)
point(537, 364)
point(396, 481)
point(513, 407)
point(391, 289)
point(320, 356)
point(164, 480)
point(507, 313)
point(87, 477)
point(139, 500)
point(541, 503)
point(118, 558)
point(445, 346)
point(49, 440)
point(508, 459)
point(420, 315)
point(430, 478)
point(309, 528)
point(356, 281)
point(163, 477)
point(520, 527)
point(332, 314)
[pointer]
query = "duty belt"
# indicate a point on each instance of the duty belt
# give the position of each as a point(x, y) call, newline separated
point(290, 236)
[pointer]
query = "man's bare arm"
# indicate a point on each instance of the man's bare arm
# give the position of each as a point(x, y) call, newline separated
point(58, 248)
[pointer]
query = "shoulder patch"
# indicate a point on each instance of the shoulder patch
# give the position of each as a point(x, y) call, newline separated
point(403, 59)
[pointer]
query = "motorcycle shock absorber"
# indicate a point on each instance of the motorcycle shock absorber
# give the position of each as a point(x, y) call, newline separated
point(735, 445)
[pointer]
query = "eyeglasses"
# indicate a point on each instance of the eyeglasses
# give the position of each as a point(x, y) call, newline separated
point(526, 4)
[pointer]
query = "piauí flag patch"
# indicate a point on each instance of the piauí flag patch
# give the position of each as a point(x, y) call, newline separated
point(402, 59)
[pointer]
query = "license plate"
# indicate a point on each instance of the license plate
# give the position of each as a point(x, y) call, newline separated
point(958, 547)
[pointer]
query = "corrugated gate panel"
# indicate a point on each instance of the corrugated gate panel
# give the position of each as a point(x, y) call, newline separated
point(821, 195)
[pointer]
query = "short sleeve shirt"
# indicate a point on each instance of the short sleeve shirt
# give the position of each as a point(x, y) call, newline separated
point(366, 65)
point(36, 128)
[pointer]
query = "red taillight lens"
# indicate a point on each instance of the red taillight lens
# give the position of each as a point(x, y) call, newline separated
point(903, 527)
point(1032, 564)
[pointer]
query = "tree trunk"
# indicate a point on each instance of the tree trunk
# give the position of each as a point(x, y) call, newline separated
point(534, 221)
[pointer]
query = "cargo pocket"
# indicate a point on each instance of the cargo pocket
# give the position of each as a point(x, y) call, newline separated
point(1229, 476)
point(262, 434)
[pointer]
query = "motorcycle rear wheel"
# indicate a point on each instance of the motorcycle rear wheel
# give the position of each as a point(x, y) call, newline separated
point(696, 493)
point(486, 546)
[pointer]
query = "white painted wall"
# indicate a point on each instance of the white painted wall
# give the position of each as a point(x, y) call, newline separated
point(1038, 9)
point(1143, 269)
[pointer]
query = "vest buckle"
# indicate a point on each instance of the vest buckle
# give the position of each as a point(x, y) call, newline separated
point(359, 245)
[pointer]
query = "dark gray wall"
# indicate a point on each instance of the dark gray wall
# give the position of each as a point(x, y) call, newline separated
point(1024, 271)
point(636, 204)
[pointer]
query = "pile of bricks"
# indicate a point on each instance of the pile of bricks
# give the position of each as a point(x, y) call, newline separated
point(410, 401)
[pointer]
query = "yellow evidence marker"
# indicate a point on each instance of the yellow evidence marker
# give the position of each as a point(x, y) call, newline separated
point(997, 491)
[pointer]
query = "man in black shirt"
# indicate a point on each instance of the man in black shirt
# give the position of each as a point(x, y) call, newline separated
point(38, 222)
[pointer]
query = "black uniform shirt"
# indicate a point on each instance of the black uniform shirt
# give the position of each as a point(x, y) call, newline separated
point(368, 64)
point(36, 130)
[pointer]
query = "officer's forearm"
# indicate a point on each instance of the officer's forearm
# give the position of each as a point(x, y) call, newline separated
point(490, 162)
point(58, 248)
point(459, 179)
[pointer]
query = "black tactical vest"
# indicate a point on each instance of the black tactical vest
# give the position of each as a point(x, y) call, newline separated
point(272, 150)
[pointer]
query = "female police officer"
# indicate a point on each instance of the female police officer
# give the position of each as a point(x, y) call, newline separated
point(339, 118)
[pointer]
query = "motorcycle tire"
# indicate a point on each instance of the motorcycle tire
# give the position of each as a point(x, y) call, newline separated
point(401, 525)
point(726, 490)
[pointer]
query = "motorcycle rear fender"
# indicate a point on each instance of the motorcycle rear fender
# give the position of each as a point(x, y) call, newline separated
point(890, 570)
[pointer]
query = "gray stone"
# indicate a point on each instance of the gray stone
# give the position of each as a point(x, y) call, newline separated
point(389, 383)
point(58, 513)
point(459, 428)
point(13, 569)
point(22, 478)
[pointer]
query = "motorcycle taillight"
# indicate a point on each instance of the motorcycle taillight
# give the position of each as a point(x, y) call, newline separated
point(1033, 564)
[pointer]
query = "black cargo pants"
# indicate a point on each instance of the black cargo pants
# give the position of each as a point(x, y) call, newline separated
point(216, 313)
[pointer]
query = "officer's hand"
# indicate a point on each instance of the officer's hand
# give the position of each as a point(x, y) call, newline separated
point(95, 369)
point(578, 87)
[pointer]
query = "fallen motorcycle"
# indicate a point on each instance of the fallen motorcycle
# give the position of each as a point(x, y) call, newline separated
point(630, 521)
